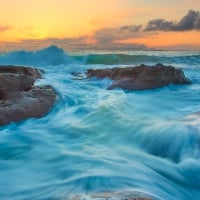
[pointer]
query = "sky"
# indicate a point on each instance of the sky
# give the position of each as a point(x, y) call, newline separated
point(100, 24)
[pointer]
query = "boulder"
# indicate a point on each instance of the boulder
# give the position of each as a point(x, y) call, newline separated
point(15, 82)
point(141, 77)
point(19, 98)
point(35, 73)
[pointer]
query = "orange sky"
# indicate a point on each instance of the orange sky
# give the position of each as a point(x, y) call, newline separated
point(38, 22)
point(171, 40)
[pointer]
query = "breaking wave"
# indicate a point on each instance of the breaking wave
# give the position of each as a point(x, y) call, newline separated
point(97, 141)
point(49, 56)
point(54, 55)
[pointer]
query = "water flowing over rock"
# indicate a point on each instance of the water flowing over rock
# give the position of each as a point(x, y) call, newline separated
point(140, 77)
point(117, 196)
point(19, 98)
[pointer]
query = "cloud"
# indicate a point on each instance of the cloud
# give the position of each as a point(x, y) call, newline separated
point(71, 44)
point(4, 28)
point(131, 28)
point(98, 41)
point(191, 21)
point(112, 37)
point(109, 35)
point(66, 43)
point(159, 25)
point(76, 40)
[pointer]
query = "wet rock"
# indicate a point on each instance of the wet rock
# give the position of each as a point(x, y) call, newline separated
point(141, 77)
point(15, 82)
point(35, 73)
point(19, 98)
point(126, 195)
point(78, 75)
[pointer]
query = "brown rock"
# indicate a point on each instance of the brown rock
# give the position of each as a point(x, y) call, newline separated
point(141, 77)
point(126, 195)
point(16, 78)
point(19, 99)
point(35, 73)
point(15, 82)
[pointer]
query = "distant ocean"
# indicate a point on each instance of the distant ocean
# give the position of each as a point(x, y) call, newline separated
point(98, 140)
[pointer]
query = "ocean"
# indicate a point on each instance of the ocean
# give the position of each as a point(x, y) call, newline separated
point(96, 140)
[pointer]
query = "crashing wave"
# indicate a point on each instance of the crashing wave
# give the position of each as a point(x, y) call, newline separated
point(49, 56)
point(54, 55)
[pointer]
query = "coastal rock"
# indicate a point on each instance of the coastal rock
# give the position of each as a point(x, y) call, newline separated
point(140, 77)
point(19, 98)
point(127, 195)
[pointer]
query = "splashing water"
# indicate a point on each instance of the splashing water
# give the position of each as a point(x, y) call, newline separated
point(96, 141)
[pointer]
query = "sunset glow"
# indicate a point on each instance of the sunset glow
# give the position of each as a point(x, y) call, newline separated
point(25, 22)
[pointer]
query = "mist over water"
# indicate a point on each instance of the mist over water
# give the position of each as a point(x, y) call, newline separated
point(95, 140)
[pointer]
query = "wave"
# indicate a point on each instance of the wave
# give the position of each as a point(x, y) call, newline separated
point(54, 55)
point(96, 140)
point(49, 56)
point(135, 58)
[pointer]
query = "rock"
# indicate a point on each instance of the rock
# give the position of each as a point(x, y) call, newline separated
point(35, 73)
point(19, 99)
point(15, 82)
point(141, 77)
point(17, 78)
point(78, 75)
point(126, 195)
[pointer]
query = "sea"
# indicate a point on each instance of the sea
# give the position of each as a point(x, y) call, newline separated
point(97, 141)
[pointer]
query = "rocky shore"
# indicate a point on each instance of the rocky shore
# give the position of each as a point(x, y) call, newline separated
point(19, 98)
point(140, 77)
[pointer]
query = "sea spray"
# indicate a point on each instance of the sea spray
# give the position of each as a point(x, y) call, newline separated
point(54, 56)
point(96, 141)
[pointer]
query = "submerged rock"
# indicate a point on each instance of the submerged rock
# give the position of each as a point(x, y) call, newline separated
point(19, 98)
point(140, 77)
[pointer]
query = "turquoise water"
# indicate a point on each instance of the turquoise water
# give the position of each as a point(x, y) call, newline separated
point(95, 140)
